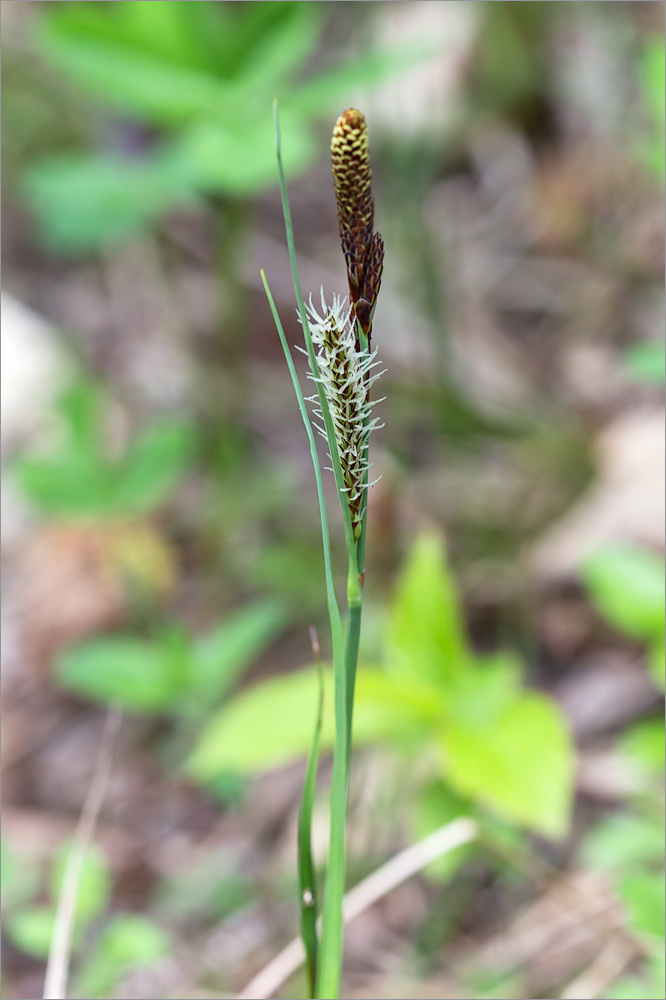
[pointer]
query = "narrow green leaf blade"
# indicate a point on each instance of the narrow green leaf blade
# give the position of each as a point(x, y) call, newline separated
point(307, 875)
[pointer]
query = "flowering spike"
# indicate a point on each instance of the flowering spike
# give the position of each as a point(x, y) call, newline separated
point(363, 251)
point(345, 374)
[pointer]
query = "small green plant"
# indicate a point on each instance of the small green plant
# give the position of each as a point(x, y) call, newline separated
point(80, 478)
point(106, 948)
point(173, 674)
point(489, 742)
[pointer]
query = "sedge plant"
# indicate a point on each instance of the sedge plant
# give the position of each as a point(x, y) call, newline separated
point(343, 367)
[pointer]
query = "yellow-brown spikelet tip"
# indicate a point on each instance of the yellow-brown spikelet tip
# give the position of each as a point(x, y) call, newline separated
point(352, 175)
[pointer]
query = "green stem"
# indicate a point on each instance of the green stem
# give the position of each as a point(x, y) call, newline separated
point(351, 661)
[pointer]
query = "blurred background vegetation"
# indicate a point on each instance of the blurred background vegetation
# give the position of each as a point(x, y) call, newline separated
point(160, 532)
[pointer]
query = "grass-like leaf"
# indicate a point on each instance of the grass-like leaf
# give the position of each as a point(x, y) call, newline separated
point(307, 875)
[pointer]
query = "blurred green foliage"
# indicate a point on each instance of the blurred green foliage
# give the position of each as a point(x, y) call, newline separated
point(196, 82)
point(628, 846)
point(653, 80)
point(82, 479)
point(433, 697)
point(104, 949)
point(646, 362)
point(173, 673)
point(627, 586)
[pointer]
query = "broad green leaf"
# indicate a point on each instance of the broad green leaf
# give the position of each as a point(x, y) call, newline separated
point(625, 842)
point(84, 202)
point(94, 882)
point(425, 632)
point(627, 585)
point(31, 929)
point(644, 899)
point(271, 723)
point(478, 696)
point(264, 727)
point(128, 942)
point(220, 657)
point(154, 462)
point(520, 764)
point(119, 670)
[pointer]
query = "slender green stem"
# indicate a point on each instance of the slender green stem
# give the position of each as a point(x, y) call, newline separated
point(329, 966)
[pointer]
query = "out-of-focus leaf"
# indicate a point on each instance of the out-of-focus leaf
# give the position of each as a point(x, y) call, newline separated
point(521, 764)
point(425, 636)
point(241, 161)
point(84, 202)
point(264, 727)
point(646, 362)
point(653, 77)
point(148, 86)
point(644, 898)
point(138, 676)
point(634, 989)
point(220, 657)
point(657, 662)
point(19, 879)
point(627, 585)
point(644, 745)
point(73, 484)
point(271, 724)
point(275, 51)
point(82, 408)
point(153, 464)
point(94, 882)
point(31, 929)
point(625, 842)
point(179, 33)
point(128, 942)
point(478, 696)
